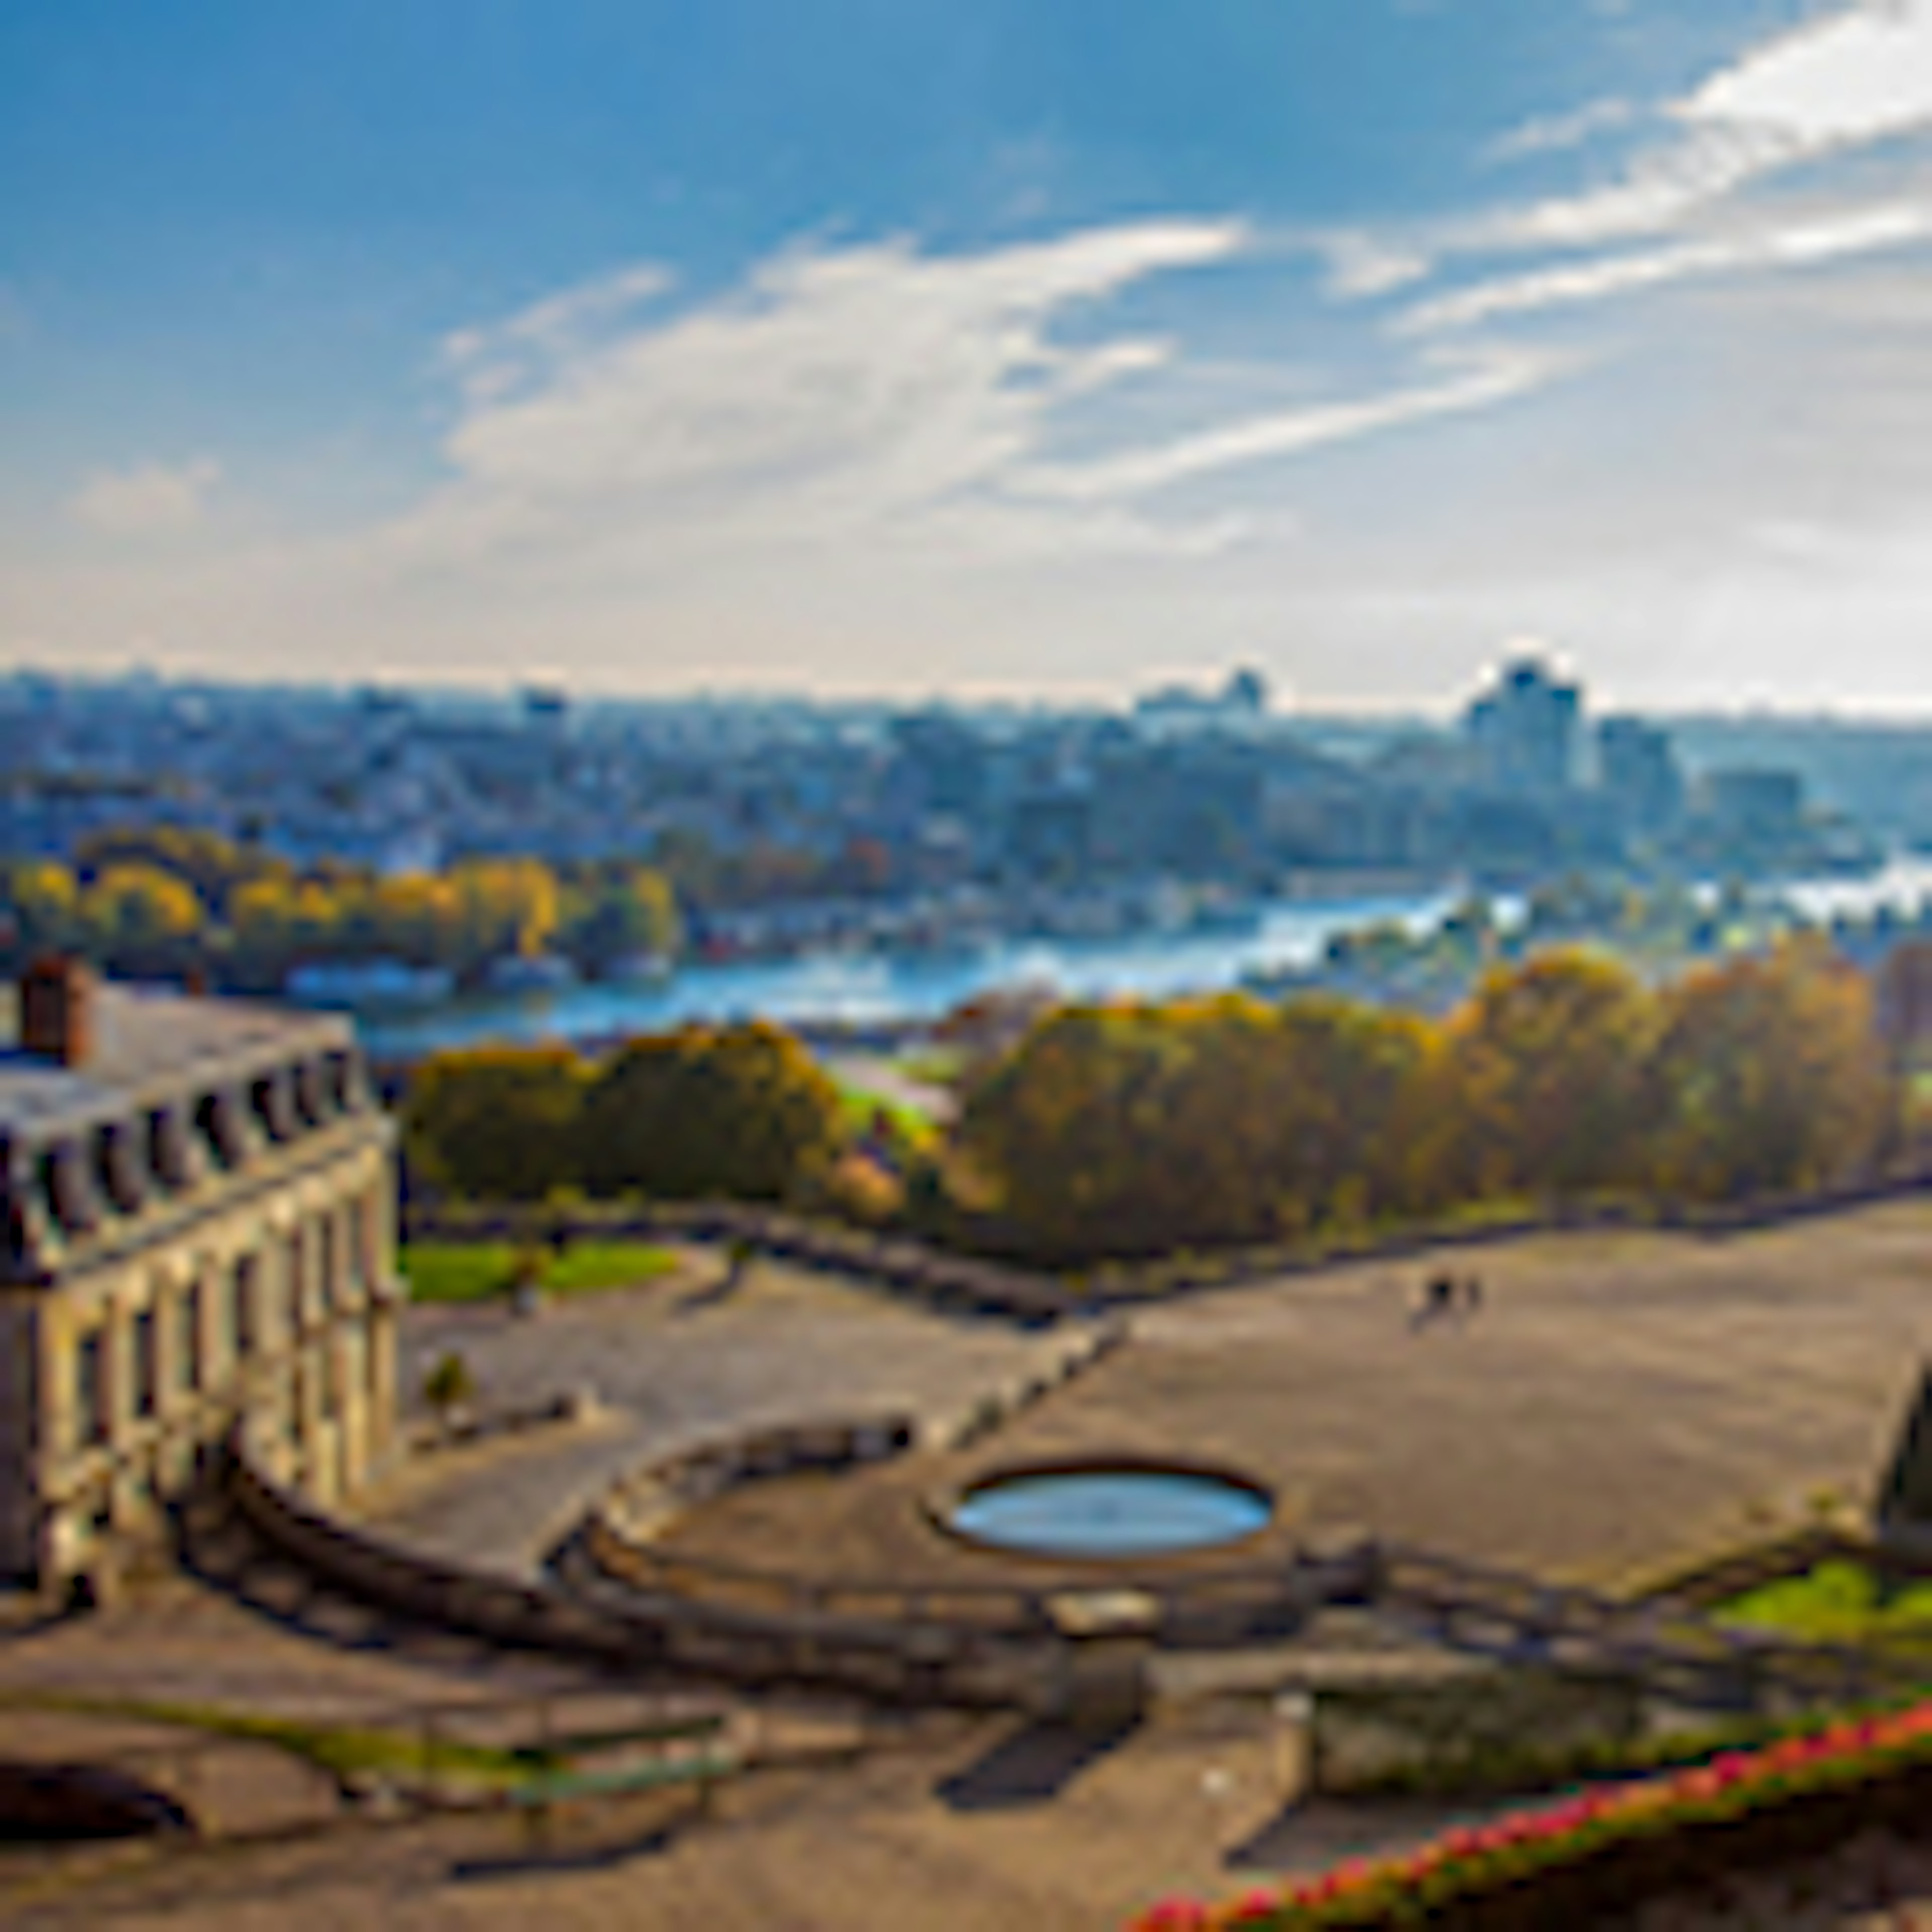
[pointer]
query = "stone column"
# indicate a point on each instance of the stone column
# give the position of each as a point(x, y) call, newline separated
point(380, 1382)
point(168, 1294)
point(117, 1379)
point(61, 1429)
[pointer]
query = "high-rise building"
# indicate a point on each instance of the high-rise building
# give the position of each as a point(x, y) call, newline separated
point(1523, 730)
point(1638, 773)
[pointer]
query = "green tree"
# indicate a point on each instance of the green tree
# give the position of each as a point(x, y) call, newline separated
point(448, 1385)
point(741, 1111)
point(614, 918)
point(499, 1123)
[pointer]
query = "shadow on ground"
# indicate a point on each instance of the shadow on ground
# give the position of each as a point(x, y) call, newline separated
point(215, 1547)
point(540, 1856)
point(1031, 1766)
point(1310, 1835)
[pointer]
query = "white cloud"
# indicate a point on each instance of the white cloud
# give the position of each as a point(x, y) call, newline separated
point(1555, 134)
point(1494, 377)
point(1849, 79)
point(153, 499)
point(872, 396)
point(1364, 265)
point(492, 359)
point(871, 405)
point(1853, 76)
point(1656, 192)
point(1791, 245)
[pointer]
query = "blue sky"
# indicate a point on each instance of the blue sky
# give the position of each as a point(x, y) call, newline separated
point(880, 345)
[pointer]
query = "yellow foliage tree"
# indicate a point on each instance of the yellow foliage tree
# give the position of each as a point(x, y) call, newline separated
point(1542, 1089)
point(1771, 1077)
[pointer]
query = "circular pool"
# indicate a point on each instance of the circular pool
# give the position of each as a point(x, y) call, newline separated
point(1109, 1511)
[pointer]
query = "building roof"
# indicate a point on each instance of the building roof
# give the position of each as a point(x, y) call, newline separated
point(150, 1045)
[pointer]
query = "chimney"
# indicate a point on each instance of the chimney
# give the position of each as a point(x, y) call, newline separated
point(57, 1010)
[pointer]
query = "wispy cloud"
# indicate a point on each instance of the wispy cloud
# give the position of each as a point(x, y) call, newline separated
point(148, 499)
point(1555, 134)
point(1848, 80)
point(492, 359)
point(1797, 244)
point(854, 389)
point(1361, 266)
point(1492, 377)
point(1843, 84)
point(873, 395)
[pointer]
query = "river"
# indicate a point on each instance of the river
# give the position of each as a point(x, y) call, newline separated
point(868, 988)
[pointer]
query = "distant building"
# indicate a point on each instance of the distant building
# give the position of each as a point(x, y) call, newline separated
point(198, 1203)
point(1523, 730)
point(1754, 806)
point(1246, 691)
point(1243, 699)
point(1638, 773)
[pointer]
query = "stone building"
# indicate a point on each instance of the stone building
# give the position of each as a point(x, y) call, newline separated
point(198, 1222)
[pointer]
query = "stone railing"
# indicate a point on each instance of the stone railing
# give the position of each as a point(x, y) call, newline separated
point(1039, 1290)
point(902, 1660)
point(623, 1543)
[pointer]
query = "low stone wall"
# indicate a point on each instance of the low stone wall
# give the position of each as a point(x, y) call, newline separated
point(1004, 1280)
point(394, 1578)
point(924, 1661)
point(647, 1503)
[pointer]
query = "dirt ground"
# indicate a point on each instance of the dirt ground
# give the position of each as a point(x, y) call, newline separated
point(985, 1824)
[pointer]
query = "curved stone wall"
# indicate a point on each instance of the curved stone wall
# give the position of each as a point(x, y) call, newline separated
point(916, 1660)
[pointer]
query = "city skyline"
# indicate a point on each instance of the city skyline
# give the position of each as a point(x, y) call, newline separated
point(984, 356)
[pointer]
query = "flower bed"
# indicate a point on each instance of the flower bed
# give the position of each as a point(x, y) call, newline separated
point(1608, 1849)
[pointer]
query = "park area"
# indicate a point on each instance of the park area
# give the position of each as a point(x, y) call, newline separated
point(1612, 1407)
point(1619, 1405)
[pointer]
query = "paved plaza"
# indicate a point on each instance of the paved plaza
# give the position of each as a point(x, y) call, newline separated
point(1619, 1404)
point(678, 1362)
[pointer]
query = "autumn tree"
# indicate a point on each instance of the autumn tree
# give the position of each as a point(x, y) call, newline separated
point(211, 865)
point(507, 906)
point(43, 901)
point(1771, 1076)
point(139, 919)
point(1543, 1089)
point(741, 1111)
point(1131, 1128)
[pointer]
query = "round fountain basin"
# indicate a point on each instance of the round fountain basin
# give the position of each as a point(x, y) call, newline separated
point(1115, 1512)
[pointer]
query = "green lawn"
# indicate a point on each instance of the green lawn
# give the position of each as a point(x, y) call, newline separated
point(1838, 1602)
point(339, 1749)
point(476, 1271)
point(916, 1129)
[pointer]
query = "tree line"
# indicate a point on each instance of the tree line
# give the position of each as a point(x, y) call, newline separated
point(741, 1111)
point(163, 901)
point(1131, 1128)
